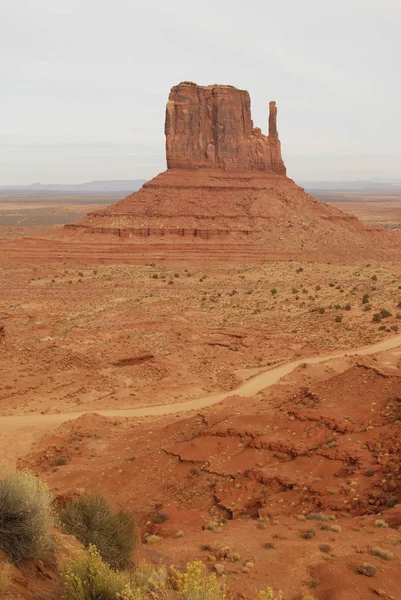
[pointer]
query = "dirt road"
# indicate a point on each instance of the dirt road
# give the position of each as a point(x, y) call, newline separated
point(246, 389)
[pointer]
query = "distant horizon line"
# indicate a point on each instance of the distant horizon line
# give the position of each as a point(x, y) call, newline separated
point(38, 184)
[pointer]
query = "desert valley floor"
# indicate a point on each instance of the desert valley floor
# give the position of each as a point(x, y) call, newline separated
point(264, 461)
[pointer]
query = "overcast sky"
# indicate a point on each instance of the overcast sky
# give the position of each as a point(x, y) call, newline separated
point(84, 83)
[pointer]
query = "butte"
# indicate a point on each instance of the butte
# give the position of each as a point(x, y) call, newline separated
point(224, 196)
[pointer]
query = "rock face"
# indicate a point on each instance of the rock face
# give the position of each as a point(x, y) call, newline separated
point(226, 187)
point(211, 127)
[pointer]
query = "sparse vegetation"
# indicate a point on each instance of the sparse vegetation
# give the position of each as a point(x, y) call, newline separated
point(25, 517)
point(94, 522)
point(153, 538)
point(88, 577)
point(380, 523)
point(197, 584)
point(269, 594)
point(308, 534)
point(317, 517)
point(333, 528)
point(382, 553)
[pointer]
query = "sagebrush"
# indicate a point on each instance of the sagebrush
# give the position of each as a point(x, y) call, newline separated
point(93, 521)
point(25, 517)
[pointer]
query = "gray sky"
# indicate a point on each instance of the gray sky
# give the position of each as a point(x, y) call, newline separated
point(84, 82)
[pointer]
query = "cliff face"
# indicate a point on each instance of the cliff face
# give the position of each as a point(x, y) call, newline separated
point(211, 127)
point(227, 181)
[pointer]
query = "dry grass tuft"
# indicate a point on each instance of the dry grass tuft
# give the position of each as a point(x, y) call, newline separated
point(25, 517)
point(94, 522)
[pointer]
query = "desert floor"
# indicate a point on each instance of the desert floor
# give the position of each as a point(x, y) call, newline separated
point(250, 396)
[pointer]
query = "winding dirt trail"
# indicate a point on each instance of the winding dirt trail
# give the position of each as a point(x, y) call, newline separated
point(246, 389)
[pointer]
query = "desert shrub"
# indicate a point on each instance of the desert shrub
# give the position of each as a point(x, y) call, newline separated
point(308, 534)
point(374, 278)
point(381, 523)
point(213, 526)
point(25, 517)
point(148, 581)
point(5, 579)
point(384, 313)
point(268, 594)
point(338, 319)
point(197, 584)
point(348, 307)
point(153, 538)
point(365, 299)
point(317, 517)
point(333, 528)
point(87, 577)
point(382, 553)
point(94, 522)
point(376, 318)
point(273, 291)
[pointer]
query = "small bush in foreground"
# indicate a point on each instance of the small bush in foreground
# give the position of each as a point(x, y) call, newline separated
point(197, 584)
point(25, 517)
point(87, 577)
point(94, 522)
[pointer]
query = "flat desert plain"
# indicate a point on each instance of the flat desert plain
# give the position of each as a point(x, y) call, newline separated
point(256, 406)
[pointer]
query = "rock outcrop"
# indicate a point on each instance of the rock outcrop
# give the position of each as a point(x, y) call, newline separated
point(211, 127)
point(226, 184)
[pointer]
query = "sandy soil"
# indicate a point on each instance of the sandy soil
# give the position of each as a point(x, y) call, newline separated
point(254, 392)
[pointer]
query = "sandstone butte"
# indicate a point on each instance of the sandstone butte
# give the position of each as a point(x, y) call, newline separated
point(226, 182)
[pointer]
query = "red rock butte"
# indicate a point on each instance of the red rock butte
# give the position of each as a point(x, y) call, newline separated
point(226, 183)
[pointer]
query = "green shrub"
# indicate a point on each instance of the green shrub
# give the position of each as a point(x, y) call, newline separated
point(338, 319)
point(384, 313)
point(25, 517)
point(94, 522)
point(87, 577)
point(365, 299)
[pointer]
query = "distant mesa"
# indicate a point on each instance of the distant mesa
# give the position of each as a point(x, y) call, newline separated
point(226, 179)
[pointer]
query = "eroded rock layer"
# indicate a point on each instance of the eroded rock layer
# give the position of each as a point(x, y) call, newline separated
point(211, 127)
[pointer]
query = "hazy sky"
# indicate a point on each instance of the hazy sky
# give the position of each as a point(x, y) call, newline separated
point(84, 83)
